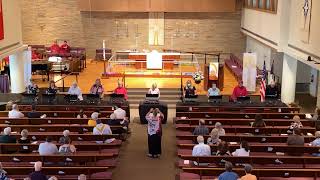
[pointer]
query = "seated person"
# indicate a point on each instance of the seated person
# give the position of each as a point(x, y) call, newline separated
point(121, 90)
point(214, 137)
point(94, 117)
point(102, 129)
point(66, 134)
point(52, 89)
point(316, 115)
point(189, 90)
point(295, 124)
point(81, 114)
point(239, 91)
point(15, 113)
point(55, 49)
point(201, 149)
point(67, 147)
point(47, 148)
point(258, 121)
point(97, 88)
point(220, 129)
point(202, 129)
point(213, 91)
point(33, 113)
point(24, 137)
point(316, 142)
point(223, 149)
point(228, 174)
point(37, 174)
point(243, 151)
point(272, 90)
point(32, 88)
point(154, 89)
point(82, 177)
point(248, 170)
point(296, 138)
point(75, 90)
point(6, 137)
point(64, 48)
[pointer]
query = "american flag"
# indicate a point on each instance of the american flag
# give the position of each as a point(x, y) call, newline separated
point(263, 83)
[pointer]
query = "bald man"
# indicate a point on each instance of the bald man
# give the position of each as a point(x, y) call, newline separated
point(121, 90)
point(37, 174)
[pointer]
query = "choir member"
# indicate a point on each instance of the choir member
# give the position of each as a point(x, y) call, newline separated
point(64, 48)
point(213, 91)
point(154, 89)
point(97, 88)
point(55, 49)
point(75, 90)
point(272, 90)
point(239, 91)
point(189, 89)
point(52, 89)
point(121, 90)
point(32, 88)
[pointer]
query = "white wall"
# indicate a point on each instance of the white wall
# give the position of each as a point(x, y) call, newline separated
point(313, 85)
point(263, 52)
point(12, 26)
point(303, 73)
point(295, 24)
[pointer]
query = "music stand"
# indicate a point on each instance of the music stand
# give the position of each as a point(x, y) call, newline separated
point(190, 98)
point(215, 99)
point(29, 98)
point(71, 98)
point(243, 99)
point(92, 98)
point(48, 97)
point(117, 98)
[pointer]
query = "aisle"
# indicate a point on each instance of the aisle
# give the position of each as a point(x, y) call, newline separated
point(134, 163)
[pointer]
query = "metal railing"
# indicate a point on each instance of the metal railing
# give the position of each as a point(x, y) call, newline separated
point(67, 75)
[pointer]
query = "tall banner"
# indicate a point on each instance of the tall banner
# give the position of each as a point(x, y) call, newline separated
point(305, 20)
point(213, 71)
point(249, 73)
point(156, 28)
point(1, 22)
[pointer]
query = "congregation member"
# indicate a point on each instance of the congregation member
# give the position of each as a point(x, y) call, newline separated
point(228, 174)
point(32, 87)
point(239, 91)
point(154, 89)
point(201, 129)
point(201, 149)
point(55, 48)
point(243, 151)
point(75, 90)
point(223, 149)
point(258, 121)
point(97, 88)
point(272, 90)
point(38, 174)
point(296, 138)
point(248, 169)
point(3, 173)
point(154, 118)
point(64, 48)
point(218, 126)
point(316, 142)
point(67, 147)
point(296, 124)
point(47, 148)
point(6, 137)
point(24, 137)
point(33, 113)
point(82, 177)
point(52, 89)
point(94, 117)
point(121, 90)
point(214, 137)
point(118, 117)
point(102, 129)
point(213, 91)
point(65, 136)
point(15, 113)
point(189, 89)
point(81, 114)
point(316, 115)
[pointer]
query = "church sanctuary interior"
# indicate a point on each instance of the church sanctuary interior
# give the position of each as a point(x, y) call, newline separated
point(159, 89)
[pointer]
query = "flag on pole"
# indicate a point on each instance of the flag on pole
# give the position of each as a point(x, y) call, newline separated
point(263, 83)
point(271, 71)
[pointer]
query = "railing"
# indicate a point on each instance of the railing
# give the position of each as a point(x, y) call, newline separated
point(62, 78)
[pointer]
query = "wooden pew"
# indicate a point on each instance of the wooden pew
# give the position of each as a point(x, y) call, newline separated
point(68, 172)
point(238, 115)
point(71, 107)
point(226, 121)
point(249, 138)
point(215, 108)
point(211, 173)
point(60, 113)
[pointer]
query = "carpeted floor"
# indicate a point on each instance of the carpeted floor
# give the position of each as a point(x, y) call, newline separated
point(134, 163)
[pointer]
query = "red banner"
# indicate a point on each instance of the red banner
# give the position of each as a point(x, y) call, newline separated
point(1, 22)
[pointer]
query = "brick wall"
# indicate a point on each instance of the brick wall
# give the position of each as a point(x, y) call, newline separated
point(45, 21)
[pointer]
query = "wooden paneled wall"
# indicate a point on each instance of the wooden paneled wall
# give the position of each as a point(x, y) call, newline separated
point(158, 5)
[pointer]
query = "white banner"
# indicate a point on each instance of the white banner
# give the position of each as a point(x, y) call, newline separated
point(249, 73)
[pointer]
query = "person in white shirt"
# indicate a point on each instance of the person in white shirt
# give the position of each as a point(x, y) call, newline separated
point(154, 90)
point(213, 91)
point(118, 113)
point(75, 90)
point(47, 148)
point(15, 113)
point(102, 129)
point(201, 149)
point(243, 151)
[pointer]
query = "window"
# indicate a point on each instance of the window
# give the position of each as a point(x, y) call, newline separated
point(269, 6)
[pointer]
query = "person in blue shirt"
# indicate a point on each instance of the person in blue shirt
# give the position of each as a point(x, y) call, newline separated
point(228, 174)
point(213, 91)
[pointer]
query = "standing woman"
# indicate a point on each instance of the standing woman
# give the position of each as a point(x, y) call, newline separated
point(154, 118)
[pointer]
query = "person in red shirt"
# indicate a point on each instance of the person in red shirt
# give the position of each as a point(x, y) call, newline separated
point(239, 91)
point(55, 49)
point(121, 90)
point(64, 48)
point(34, 55)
